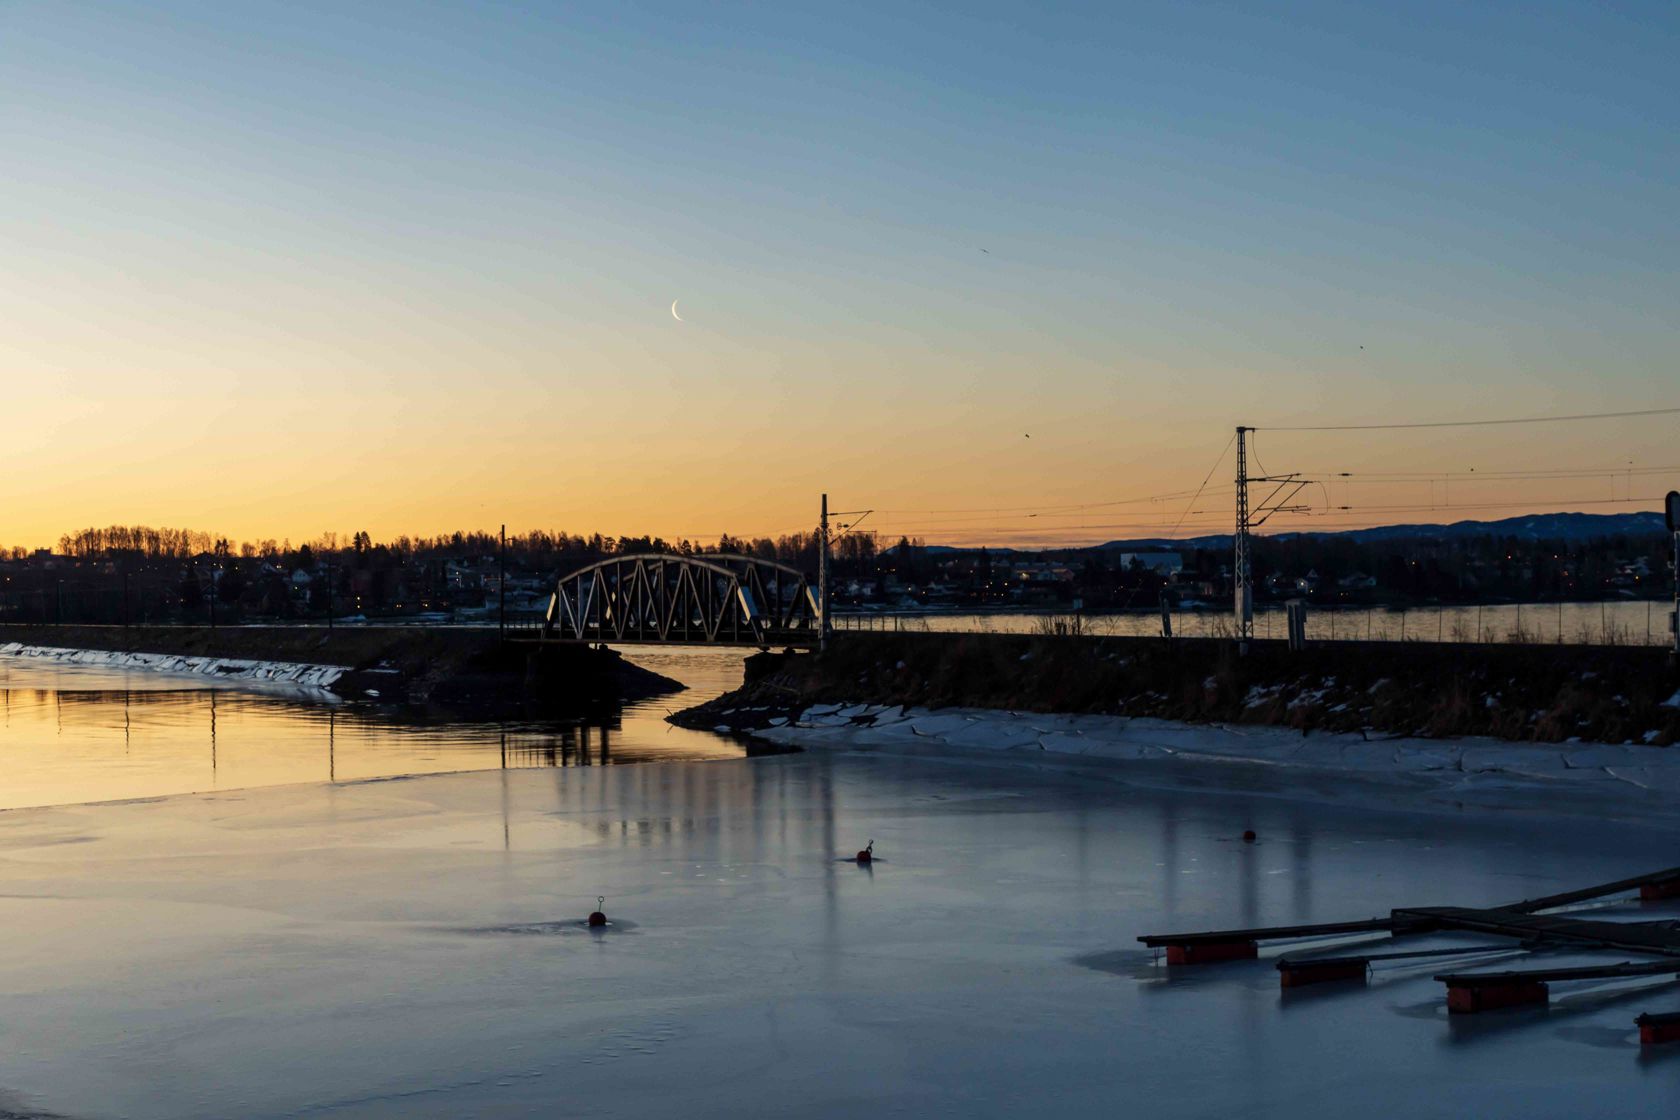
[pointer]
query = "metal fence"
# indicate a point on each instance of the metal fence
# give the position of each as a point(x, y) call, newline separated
point(1643, 622)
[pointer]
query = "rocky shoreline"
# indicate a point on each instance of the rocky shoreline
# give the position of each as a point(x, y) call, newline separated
point(1518, 694)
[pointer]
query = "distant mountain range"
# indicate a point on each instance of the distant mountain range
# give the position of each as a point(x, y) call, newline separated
point(1575, 527)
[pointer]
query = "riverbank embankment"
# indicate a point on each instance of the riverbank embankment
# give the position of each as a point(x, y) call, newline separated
point(1544, 694)
point(463, 670)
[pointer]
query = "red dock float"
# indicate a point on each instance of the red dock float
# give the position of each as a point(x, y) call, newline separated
point(1243, 944)
point(1467, 999)
point(1654, 1029)
point(1483, 991)
point(1210, 952)
point(1298, 974)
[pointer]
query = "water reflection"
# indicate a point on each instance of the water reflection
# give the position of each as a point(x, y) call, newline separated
point(95, 736)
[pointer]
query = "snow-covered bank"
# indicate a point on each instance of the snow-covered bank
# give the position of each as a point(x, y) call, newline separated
point(1563, 777)
point(1517, 694)
point(246, 672)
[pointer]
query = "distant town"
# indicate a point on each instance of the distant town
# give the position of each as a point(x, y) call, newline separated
point(142, 575)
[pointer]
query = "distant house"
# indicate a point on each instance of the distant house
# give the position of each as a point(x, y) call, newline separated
point(1307, 584)
point(463, 574)
point(1041, 574)
point(1358, 581)
point(1164, 563)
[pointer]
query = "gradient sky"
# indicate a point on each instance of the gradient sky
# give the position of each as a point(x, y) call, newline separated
point(269, 269)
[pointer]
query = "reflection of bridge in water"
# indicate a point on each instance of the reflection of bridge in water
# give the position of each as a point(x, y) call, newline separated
point(715, 598)
point(576, 745)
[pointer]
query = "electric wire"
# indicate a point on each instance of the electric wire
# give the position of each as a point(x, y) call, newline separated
point(1468, 423)
point(1203, 486)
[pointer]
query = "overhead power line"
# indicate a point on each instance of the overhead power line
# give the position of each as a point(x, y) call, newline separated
point(1469, 423)
point(1203, 486)
point(1070, 507)
point(1538, 475)
point(1335, 512)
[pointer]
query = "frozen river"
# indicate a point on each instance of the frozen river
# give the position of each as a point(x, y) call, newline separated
point(413, 948)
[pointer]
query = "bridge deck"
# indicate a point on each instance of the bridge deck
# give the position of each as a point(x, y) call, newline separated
point(773, 641)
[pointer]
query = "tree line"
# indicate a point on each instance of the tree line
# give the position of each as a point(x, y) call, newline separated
point(536, 548)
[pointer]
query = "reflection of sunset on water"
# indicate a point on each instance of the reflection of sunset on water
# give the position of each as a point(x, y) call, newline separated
point(78, 734)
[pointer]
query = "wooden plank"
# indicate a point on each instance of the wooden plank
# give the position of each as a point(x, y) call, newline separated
point(1273, 933)
point(1635, 937)
point(1543, 975)
point(1586, 894)
point(1297, 962)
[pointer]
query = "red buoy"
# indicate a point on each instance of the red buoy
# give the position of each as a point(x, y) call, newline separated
point(867, 855)
point(599, 917)
point(1249, 837)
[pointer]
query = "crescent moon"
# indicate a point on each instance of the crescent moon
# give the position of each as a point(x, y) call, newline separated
point(674, 314)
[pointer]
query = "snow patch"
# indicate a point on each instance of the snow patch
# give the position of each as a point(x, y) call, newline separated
point(1485, 770)
point(226, 668)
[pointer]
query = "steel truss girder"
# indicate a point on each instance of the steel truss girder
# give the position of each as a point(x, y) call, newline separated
point(653, 597)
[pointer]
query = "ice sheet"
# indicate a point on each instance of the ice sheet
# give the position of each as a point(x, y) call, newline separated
point(1565, 777)
point(414, 948)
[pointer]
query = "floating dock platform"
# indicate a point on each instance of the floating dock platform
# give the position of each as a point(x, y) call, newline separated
point(1523, 927)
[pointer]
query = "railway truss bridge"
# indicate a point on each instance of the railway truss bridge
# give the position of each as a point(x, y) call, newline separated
point(713, 598)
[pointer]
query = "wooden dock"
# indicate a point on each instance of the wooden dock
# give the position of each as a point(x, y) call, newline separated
point(1660, 938)
point(1523, 925)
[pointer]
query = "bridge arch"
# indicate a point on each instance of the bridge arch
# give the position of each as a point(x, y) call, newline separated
point(659, 597)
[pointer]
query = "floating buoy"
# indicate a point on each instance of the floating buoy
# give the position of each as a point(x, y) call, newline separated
point(1249, 837)
point(867, 855)
point(599, 917)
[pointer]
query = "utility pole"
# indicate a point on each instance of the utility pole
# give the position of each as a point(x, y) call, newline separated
point(501, 583)
point(1242, 575)
point(1671, 509)
point(822, 580)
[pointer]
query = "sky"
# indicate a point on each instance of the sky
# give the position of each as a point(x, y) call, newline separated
point(993, 271)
